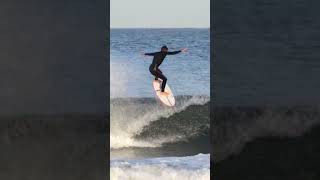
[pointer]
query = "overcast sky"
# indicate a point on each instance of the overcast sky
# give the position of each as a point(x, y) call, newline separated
point(160, 13)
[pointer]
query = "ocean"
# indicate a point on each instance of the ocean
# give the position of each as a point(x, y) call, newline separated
point(148, 140)
point(187, 73)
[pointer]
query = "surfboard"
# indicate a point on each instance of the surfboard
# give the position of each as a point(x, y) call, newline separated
point(166, 100)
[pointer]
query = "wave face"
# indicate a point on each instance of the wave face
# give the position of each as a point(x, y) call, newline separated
point(169, 168)
point(233, 127)
point(143, 122)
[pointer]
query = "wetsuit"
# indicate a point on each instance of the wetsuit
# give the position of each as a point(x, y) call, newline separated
point(158, 58)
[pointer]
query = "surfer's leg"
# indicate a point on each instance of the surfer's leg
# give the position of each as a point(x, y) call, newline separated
point(158, 72)
point(164, 80)
point(155, 74)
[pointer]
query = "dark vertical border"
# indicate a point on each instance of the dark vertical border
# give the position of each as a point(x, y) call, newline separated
point(271, 126)
point(54, 89)
point(107, 53)
point(212, 98)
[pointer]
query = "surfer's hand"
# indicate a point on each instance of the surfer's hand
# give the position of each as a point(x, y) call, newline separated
point(142, 53)
point(184, 50)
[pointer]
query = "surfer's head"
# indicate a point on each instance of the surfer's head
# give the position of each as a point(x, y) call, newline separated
point(164, 49)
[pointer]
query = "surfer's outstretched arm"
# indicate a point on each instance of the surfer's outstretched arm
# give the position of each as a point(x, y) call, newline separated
point(174, 52)
point(150, 54)
point(177, 52)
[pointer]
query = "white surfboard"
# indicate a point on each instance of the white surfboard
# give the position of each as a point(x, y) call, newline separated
point(167, 100)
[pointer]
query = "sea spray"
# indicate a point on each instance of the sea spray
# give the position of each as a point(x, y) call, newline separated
point(118, 79)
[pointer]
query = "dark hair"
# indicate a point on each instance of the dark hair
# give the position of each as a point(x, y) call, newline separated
point(164, 47)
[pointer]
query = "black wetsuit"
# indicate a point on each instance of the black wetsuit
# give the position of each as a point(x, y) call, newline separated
point(158, 58)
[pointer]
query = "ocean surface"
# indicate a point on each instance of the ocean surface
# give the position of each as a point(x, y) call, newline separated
point(266, 89)
point(188, 73)
point(148, 140)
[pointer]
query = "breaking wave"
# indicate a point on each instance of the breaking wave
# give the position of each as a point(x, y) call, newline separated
point(143, 122)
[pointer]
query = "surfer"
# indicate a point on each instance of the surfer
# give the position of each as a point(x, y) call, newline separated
point(158, 58)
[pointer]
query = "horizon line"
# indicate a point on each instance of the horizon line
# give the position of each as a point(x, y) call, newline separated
point(159, 27)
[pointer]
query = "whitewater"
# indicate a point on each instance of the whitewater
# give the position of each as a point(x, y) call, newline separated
point(169, 168)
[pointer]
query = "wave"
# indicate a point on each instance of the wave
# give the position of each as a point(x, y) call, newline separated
point(177, 168)
point(234, 127)
point(143, 122)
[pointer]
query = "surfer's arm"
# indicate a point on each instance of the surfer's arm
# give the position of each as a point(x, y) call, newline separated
point(150, 54)
point(174, 52)
point(177, 52)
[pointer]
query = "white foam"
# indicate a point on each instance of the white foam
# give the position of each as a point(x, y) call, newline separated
point(167, 168)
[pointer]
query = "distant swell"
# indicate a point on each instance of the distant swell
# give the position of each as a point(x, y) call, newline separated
point(144, 122)
point(233, 127)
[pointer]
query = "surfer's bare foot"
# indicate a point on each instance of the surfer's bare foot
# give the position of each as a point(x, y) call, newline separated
point(164, 93)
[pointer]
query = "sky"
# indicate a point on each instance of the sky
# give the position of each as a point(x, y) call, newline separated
point(160, 13)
